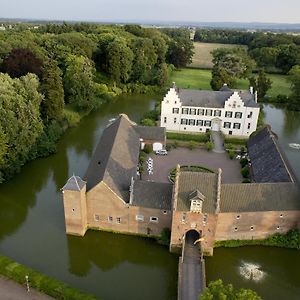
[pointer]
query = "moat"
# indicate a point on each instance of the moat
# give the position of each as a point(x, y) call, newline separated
point(32, 225)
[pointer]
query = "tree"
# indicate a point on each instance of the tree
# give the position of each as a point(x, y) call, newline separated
point(80, 88)
point(216, 290)
point(52, 87)
point(219, 77)
point(288, 56)
point(294, 79)
point(21, 62)
point(261, 84)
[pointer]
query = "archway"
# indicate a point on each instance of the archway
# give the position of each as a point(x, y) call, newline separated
point(191, 236)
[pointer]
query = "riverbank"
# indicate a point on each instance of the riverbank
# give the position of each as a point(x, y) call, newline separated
point(289, 240)
point(37, 281)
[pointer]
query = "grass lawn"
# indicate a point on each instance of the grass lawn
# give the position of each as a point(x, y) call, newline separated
point(199, 79)
point(202, 57)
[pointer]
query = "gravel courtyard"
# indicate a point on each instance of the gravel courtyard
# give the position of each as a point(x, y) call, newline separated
point(162, 165)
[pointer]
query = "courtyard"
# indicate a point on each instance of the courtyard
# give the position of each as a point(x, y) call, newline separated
point(163, 164)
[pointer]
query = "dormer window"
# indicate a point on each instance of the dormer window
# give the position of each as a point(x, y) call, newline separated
point(196, 199)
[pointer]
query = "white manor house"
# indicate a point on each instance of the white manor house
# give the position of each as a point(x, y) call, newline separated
point(234, 112)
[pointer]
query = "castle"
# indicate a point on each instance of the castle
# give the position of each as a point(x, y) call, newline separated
point(113, 197)
point(233, 112)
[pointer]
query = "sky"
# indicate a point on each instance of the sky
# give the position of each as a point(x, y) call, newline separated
point(266, 11)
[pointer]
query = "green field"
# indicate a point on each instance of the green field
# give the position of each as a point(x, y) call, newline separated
point(202, 54)
point(200, 79)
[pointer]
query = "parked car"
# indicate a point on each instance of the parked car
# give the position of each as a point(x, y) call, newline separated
point(161, 152)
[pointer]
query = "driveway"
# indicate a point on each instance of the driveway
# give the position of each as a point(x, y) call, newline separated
point(10, 290)
point(218, 141)
point(162, 165)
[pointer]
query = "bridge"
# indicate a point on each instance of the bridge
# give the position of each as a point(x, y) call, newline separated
point(191, 269)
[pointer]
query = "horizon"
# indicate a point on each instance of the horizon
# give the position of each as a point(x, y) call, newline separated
point(155, 11)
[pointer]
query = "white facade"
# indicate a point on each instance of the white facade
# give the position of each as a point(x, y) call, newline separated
point(233, 119)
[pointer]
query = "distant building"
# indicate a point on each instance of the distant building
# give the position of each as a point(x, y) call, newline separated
point(230, 111)
point(113, 197)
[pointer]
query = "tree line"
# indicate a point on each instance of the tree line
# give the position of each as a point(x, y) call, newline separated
point(53, 74)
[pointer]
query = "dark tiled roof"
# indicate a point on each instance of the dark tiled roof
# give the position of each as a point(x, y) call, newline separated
point(151, 133)
point(116, 157)
point(205, 183)
point(74, 183)
point(225, 88)
point(214, 99)
point(260, 197)
point(267, 163)
point(152, 194)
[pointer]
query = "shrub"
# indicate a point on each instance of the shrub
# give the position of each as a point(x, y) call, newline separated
point(209, 145)
point(148, 148)
point(192, 145)
point(244, 162)
point(168, 147)
point(165, 236)
point(200, 137)
point(231, 154)
point(41, 282)
point(246, 180)
point(148, 122)
point(72, 117)
point(175, 144)
point(245, 172)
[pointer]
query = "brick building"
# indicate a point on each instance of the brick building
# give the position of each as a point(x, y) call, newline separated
point(113, 197)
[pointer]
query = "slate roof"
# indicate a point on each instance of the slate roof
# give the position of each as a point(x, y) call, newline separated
point(206, 183)
point(267, 162)
point(151, 133)
point(74, 183)
point(152, 194)
point(259, 197)
point(116, 157)
point(214, 99)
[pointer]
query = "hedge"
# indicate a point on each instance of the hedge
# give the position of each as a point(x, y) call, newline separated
point(235, 141)
point(199, 137)
point(40, 282)
point(289, 240)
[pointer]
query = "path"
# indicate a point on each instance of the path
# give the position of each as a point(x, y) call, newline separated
point(218, 141)
point(192, 279)
point(10, 290)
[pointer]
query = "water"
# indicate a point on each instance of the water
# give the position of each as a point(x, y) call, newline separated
point(279, 277)
point(32, 227)
point(116, 266)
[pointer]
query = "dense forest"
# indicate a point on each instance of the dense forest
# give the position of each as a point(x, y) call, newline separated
point(51, 75)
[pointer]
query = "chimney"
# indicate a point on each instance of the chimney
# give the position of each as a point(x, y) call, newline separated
point(255, 96)
point(174, 85)
point(251, 89)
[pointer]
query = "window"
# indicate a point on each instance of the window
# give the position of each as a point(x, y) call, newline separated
point(281, 216)
point(175, 120)
point(200, 112)
point(139, 218)
point(249, 125)
point(208, 112)
point(238, 115)
point(73, 209)
point(250, 115)
point(97, 218)
point(192, 122)
point(227, 125)
point(118, 220)
point(165, 119)
point(236, 125)
point(252, 228)
point(110, 219)
point(154, 219)
point(196, 206)
point(199, 123)
point(235, 229)
point(238, 216)
point(278, 227)
point(217, 113)
point(228, 114)
point(205, 218)
point(193, 111)
point(165, 212)
point(207, 123)
point(185, 111)
point(184, 121)
point(183, 218)
point(175, 110)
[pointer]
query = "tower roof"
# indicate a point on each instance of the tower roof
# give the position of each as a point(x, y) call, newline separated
point(74, 183)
